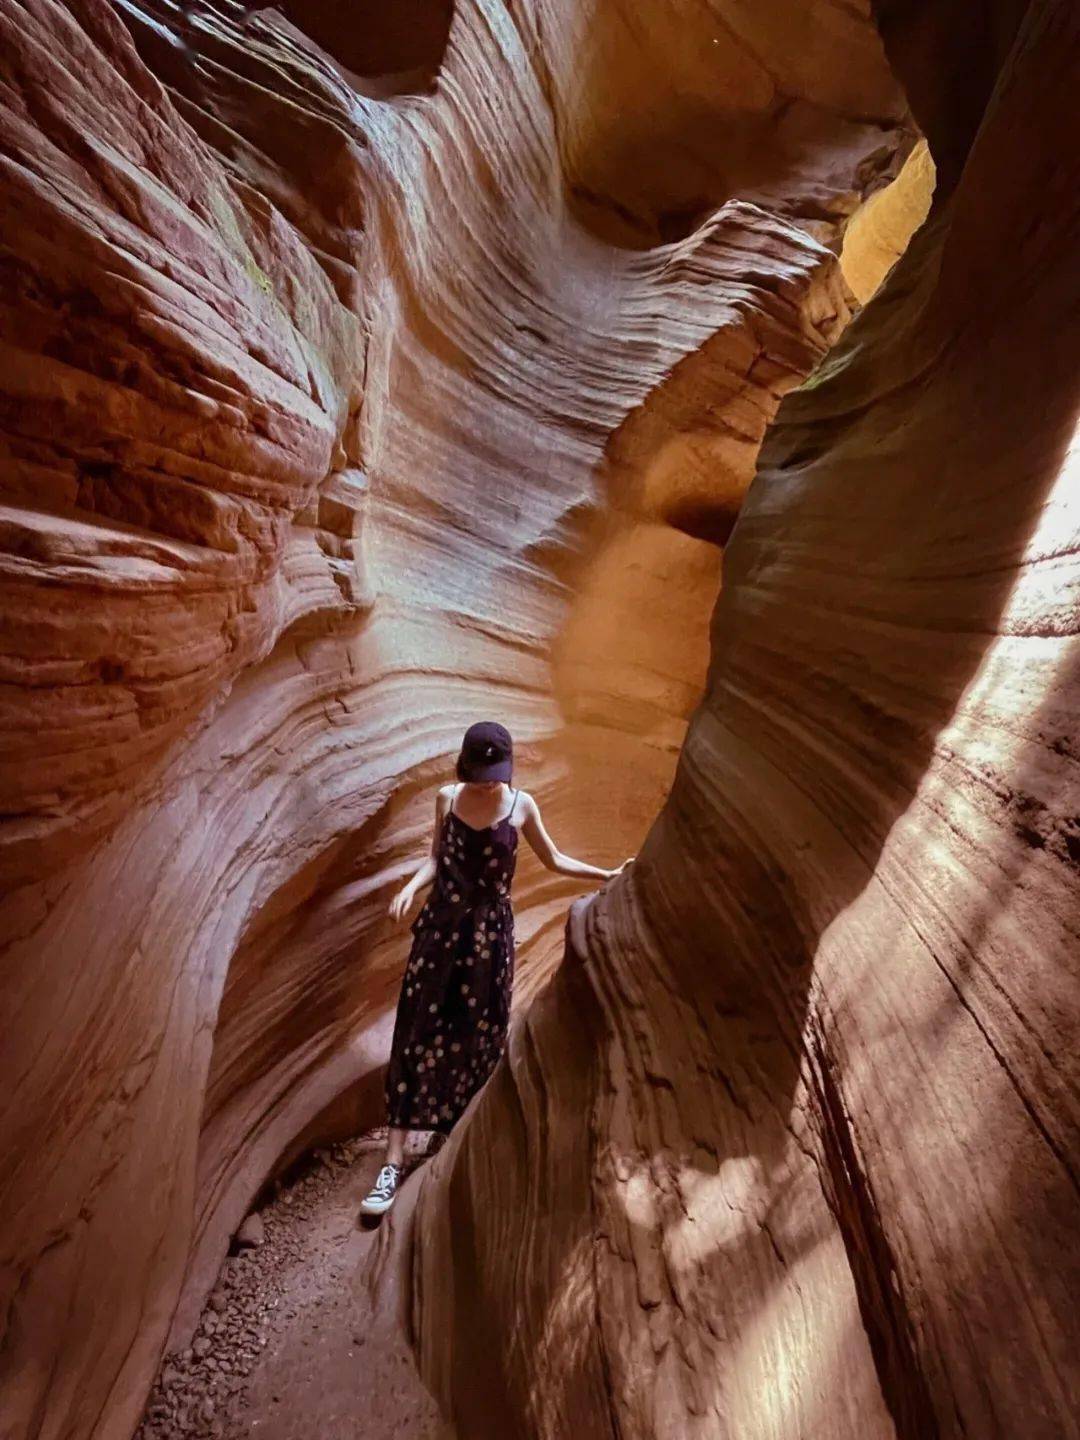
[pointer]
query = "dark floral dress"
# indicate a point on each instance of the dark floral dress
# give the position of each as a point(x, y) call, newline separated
point(454, 1005)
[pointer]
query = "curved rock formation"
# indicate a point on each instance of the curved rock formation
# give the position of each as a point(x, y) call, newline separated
point(312, 357)
point(788, 1146)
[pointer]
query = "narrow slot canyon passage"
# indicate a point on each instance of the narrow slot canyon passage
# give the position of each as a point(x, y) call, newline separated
point(693, 389)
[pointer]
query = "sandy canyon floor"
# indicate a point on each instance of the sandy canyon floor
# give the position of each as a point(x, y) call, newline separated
point(291, 1343)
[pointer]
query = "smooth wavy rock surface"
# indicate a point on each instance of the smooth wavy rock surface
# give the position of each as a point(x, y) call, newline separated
point(788, 1147)
point(354, 381)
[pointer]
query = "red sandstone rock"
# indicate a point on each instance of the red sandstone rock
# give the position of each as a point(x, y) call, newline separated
point(324, 420)
point(251, 1233)
point(787, 1148)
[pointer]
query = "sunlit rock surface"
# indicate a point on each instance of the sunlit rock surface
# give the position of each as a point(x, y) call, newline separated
point(357, 380)
point(788, 1147)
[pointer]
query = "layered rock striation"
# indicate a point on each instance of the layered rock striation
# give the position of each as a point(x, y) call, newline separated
point(355, 381)
point(788, 1146)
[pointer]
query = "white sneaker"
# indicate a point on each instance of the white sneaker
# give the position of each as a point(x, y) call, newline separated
point(381, 1195)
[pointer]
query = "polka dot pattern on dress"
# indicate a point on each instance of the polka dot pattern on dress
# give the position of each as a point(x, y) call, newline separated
point(454, 1009)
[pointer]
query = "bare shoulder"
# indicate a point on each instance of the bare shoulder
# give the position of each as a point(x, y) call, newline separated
point(443, 796)
point(526, 805)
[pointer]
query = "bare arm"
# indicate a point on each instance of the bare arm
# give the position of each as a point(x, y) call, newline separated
point(425, 871)
point(532, 827)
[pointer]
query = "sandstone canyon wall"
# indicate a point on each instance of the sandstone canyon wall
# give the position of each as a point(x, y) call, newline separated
point(356, 378)
point(788, 1146)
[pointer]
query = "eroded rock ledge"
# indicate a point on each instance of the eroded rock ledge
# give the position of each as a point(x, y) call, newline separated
point(788, 1146)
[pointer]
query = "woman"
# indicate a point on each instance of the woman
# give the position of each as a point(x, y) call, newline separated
point(455, 998)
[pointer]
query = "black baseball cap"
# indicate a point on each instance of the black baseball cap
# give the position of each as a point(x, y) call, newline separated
point(487, 753)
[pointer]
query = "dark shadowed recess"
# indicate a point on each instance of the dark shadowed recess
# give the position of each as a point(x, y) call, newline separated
point(402, 41)
point(949, 97)
point(382, 48)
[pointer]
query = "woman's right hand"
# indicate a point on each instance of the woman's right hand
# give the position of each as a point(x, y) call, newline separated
point(402, 902)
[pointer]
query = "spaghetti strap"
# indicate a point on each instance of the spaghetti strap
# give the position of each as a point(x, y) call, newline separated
point(453, 798)
point(513, 807)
